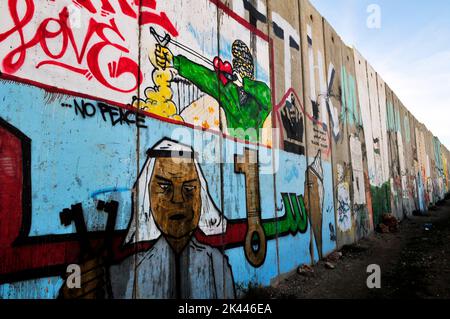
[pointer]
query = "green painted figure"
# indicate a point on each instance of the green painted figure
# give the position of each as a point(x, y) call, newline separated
point(246, 102)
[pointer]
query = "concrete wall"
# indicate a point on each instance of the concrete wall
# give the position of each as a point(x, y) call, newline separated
point(339, 114)
point(319, 175)
point(393, 133)
point(204, 148)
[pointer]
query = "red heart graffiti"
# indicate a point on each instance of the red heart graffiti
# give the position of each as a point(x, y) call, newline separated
point(224, 69)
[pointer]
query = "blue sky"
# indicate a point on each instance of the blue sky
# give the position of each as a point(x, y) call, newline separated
point(410, 50)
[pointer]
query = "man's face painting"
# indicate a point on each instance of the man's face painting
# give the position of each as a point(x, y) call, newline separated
point(175, 194)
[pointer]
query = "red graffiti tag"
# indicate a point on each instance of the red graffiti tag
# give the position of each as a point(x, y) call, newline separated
point(96, 39)
point(107, 8)
point(160, 19)
point(147, 17)
point(19, 25)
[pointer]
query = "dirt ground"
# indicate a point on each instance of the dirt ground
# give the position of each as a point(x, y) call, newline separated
point(415, 264)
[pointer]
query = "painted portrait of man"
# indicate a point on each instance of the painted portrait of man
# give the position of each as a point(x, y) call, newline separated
point(171, 202)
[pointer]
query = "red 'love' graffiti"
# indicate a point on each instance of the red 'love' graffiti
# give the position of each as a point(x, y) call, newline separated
point(59, 30)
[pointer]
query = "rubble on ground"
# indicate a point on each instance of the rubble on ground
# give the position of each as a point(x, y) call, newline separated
point(305, 270)
point(389, 224)
point(334, 257)
point(329, 265)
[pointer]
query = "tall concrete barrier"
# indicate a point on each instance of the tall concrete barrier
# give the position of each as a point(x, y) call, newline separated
point(192, 149)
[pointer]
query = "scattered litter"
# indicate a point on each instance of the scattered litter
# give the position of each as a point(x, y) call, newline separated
point(329, 265)
point(389, 224)
point(390, 221)
point(428, 227)
point(334, 257)
point(382, 228)
point(305, 270)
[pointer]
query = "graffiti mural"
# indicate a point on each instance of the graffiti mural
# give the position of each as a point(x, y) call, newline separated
point(290, 112)
point(98, 56)
point(393, 131)
point(293, 123)
point(212, 80)
point(314, 192)
point(246, 102)
point(363, 92)
point(320, 126)
point(344, 215)
point(290, 117)
point(168, 157)
point(141, 231)
point(352, 118)
point(338, 99)
point(359, 196)
point(172, 201)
